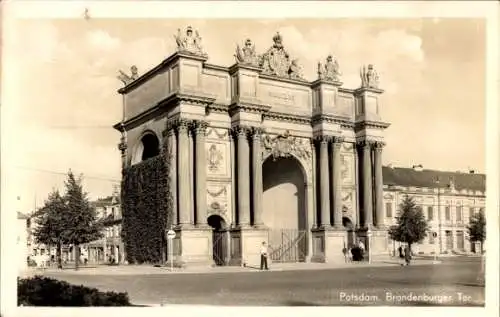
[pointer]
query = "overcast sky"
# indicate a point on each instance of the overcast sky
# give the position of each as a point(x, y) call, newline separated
point(432, 71)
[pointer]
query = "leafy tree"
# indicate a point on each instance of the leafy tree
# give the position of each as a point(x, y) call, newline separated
point(81, 224)
point(50, 223)
point(411, 224)
point(477, 228)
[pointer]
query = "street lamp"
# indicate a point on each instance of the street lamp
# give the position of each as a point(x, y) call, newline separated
point(368, 235)
point(439, 218)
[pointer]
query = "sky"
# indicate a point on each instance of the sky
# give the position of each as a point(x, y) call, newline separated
point(432, 71)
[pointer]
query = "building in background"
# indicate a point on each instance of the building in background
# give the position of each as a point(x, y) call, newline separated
point(448, 201)
point(109, 248)
point(22, 242)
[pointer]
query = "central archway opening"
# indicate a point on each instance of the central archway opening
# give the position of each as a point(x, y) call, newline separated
point(219, 239)
point(150, 145)
point(284, 209)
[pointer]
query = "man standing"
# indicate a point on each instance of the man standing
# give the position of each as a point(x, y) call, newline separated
point(263, 256)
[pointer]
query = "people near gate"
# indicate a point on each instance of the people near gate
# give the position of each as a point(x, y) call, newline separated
point(407, 255)
point(263, 256)
point(401, 254)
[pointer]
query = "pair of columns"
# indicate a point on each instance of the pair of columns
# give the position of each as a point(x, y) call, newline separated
point(242, 136)
point(333, 190)
point(372, 183)
point(188, 183)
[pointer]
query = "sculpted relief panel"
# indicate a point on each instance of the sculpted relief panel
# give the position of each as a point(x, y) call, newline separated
point(218, 200)
point(217, 153)
point(285, 145)
point(347, 169)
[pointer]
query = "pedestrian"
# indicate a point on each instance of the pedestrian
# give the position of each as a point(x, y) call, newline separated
point(361, 247)
point(407, 255)
point(401, 255)
point(263, 256)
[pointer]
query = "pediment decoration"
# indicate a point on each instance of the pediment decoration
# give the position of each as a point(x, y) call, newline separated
point(277, 62)
point(285, 145)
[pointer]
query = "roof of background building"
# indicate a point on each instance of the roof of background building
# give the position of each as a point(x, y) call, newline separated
point(401, 176)
point(107, 201)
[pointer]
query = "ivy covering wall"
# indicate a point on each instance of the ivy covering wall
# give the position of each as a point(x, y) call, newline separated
point(147, 209)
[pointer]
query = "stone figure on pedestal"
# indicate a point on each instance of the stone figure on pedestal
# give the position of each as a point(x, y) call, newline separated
point(247, 54)
point(189, 43)
point(369, 77)
point(330, 71)
point(126, 79)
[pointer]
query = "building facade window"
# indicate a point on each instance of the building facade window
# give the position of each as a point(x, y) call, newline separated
point(481, 211)
point(388, 210)
point(431, 238)
point(459, 214)
point(471, 212)
point(430, 213)
point(447, 213)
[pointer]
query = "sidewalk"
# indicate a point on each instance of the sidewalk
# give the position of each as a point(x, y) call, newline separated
point(149, 269)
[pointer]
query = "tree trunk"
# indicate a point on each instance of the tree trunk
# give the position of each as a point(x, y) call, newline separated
point(59, 255)
point(481, 247)
point(77, 256)
point(163, 253)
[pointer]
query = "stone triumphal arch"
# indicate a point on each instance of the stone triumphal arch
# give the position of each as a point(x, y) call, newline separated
point(260, 154)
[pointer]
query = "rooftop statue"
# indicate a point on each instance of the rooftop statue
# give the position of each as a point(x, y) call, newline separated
point(330, 71)
point(126, 79)
point(190, 43)
point(276, 61)
point(369, 77)
point(247, 54)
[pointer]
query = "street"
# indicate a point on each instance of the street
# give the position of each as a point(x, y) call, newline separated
point(452, 283)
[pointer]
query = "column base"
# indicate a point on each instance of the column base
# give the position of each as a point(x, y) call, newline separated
point(328, 245)
point(246, 242)
point(193, 246)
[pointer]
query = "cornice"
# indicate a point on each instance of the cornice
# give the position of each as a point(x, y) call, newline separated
point(237, 66)
point(248, 107)
point(215, 67)
point(193, 98)
point(304, 82)
point(288, 117)
point(343, 121)
point(361, 90)
point(318, 82)
point(217, 107)
point(358, 125)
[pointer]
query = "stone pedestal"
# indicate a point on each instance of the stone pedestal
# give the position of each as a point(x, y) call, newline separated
point(328, 245)
point(246, 244)
point(379, 240)
point(193, 246)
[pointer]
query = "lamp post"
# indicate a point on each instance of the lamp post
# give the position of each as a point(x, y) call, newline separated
point(440, 238)
point(368, 235)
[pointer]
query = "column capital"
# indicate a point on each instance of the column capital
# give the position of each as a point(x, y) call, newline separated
point(200, 127)
point(378, 145)
point(364, 143)
point(183, 125)
point(257, 133)
point(241, 131)
point(323, 139)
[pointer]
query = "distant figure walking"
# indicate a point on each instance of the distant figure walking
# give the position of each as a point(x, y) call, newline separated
point(401, 255)
point(407, 255)
point(263, 256)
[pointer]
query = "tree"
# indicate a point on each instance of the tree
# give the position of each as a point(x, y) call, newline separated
point(50, 223)
point(81, 223)
point(412, 226)
point(477, 229)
